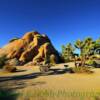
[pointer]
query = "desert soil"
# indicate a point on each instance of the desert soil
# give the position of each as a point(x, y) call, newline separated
point(58, 78)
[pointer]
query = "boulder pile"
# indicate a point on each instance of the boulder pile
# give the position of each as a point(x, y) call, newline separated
point(32, 47)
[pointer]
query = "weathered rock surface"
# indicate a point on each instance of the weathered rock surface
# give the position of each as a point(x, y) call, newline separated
point(31, 47)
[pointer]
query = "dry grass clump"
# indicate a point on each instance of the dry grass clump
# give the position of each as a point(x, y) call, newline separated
point(9, 68)
point(51, 94)
point(82, 70)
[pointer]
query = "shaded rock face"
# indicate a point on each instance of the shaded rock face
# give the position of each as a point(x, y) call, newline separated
point(31, 47)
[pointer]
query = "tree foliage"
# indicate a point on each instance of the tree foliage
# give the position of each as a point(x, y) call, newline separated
point(67, 51)
point(87, 48)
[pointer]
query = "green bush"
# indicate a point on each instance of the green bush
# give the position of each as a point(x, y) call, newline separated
point(67, 60)
point(2, 61)
point(89, 62)
point(5, 94)
point(13, 39)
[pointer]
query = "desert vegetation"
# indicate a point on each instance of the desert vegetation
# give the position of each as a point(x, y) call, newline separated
point(88, 48)
point(13, 39)
point(7, 94)
point(89, 54)
point(33, 58)
point(2, 61)
point(6, 65)
point(47, 94)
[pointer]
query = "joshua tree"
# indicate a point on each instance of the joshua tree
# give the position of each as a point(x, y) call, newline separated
point(88, 46)
point(67, 51)
point(97, 44)
point(91, 46)
point(80, 45)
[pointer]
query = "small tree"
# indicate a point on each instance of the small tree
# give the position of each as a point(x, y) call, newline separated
point(86, 48)
point(67, 51)
point(79, 45)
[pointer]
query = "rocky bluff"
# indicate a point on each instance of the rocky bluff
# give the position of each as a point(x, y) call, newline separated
point(33, 47)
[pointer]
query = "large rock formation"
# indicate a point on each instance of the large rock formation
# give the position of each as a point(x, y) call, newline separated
point(31, 47)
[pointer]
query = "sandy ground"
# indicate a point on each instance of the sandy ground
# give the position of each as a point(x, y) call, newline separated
point(59, 78)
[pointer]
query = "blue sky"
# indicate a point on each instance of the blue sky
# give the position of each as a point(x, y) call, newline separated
point(63, 21)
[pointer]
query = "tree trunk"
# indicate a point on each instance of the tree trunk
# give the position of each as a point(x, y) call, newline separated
point(83, 58)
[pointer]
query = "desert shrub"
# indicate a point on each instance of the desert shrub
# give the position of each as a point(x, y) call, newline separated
point(38, 35)
point(9, 68)
point(53, 59)
point(89, 62)
point(2, 61)
point(93, 63)
point(82, 70)
point(13, 39)
point(67, 60)
point(44, 69)
point(5, 94)
point(13, 62)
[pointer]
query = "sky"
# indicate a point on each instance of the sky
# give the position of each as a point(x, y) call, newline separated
point(63, 21)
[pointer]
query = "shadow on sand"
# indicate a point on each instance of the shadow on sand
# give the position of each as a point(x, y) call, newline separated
point(21, 77)
point(19, 82)
point(60, 71)
point(56, 71)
